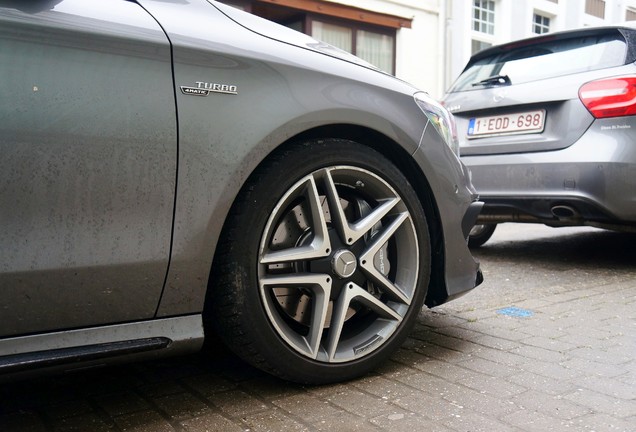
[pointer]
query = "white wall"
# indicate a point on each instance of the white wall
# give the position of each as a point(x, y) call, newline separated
point(435, 50)
point(513, 20)
point(419, 54)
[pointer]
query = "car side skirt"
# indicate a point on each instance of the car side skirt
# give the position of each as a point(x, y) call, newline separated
point(73, 349)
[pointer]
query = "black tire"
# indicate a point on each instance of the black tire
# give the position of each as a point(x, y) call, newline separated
point(480, 234)
point(283, 275)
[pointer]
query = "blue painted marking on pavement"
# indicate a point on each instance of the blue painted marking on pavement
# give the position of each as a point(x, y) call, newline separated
point(515, 312)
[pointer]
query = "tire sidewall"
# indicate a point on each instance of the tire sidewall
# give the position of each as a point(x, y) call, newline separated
point(482, 237)
point(265, 190)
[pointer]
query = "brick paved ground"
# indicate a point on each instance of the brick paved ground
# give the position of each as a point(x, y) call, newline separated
point(470, 365)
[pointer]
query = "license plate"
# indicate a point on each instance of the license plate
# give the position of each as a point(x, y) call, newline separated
point(523, 122)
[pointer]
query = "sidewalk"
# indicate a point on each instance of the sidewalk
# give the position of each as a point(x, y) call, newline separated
point(545, 344)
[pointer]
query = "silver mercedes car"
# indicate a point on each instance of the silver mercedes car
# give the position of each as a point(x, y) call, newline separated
point(176, 169)
point(547, 126)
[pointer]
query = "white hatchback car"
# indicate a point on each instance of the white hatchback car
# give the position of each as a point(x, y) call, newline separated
point(547, 126)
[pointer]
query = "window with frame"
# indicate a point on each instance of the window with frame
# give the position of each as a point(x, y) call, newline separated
point(366, 34)
point(595, 8)
point(483, 27)
point(541, 24)
point(484, 16)
point(477, 45)
point(371, 45)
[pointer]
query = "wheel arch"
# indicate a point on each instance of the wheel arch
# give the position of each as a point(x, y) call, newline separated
point(400, 157)
point(236, 315)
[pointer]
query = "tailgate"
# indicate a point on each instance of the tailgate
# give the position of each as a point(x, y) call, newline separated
point(535, 116)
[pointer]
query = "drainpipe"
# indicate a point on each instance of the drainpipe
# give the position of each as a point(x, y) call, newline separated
point(446, 44)
point(441, 49)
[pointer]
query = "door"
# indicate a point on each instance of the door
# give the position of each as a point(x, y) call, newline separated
point(87, 164)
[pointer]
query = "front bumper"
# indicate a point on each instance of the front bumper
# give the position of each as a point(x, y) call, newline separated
point(470, 217)
point(462, 270)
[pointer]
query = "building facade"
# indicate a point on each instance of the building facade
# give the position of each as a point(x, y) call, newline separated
point(428, 42)
point(472, 25)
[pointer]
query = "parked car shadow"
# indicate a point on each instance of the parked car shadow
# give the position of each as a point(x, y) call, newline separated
point(597, 249)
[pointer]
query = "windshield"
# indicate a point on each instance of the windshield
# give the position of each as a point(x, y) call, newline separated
point(544, 60)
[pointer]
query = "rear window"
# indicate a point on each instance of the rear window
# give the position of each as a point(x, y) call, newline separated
point(544, 60)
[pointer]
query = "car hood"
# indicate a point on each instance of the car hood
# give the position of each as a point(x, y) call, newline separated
point(286, 35)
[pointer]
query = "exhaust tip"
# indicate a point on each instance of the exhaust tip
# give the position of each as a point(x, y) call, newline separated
point(564, 212)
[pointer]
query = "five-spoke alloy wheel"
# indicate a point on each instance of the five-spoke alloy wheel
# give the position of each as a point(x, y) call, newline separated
point(326, 263)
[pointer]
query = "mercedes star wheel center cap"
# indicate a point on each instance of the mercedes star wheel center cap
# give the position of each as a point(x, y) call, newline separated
point(344, 263)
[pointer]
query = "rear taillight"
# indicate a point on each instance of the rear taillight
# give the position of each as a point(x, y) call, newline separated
point(613, 97)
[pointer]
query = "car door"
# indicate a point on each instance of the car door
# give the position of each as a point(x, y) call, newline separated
point(87, 164)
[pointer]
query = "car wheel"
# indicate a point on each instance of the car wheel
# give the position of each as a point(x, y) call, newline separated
point(324, 265)
point(480, 234)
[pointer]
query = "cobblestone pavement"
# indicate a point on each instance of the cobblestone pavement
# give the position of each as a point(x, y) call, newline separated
point(548, 342)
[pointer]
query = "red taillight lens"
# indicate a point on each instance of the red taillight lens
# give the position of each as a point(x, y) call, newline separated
point(613, 97)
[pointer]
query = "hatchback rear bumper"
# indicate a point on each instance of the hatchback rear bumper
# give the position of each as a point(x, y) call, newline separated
point(554, 211)
point(594, 180)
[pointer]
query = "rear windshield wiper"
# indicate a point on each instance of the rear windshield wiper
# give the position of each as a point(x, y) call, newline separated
point(495, 80)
